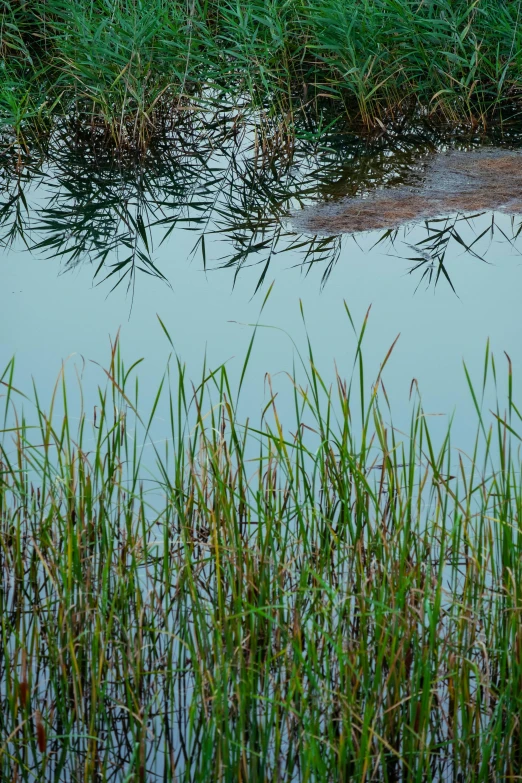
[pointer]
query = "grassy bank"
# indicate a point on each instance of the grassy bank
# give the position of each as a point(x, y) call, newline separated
point(129, 66)
point(314, 600)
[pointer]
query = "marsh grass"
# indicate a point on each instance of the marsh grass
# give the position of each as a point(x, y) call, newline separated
point(127, 66)
point(327, 599)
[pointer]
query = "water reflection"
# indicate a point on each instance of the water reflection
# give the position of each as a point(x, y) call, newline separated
point(240, 197)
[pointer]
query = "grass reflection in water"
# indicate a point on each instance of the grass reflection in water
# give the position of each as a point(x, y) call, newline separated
point(245, 206)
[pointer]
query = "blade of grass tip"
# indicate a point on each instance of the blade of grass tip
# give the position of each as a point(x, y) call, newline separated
point(385, 361)
point(128, 372)
point(204, 252)
point(152, 413)
point(120, 390)
point(9, 385)
point(142, 231)
point(359, 357)
point(514, 408)
point(359, 336)
point(510, 384)
point(505, 424)
point(366, 420)
point(442, 268)
point(474, 398)
point(251, 343)
point(314, 377)
point(348, 313)
point(166, 331)
point(486, 367)
point(384, 237)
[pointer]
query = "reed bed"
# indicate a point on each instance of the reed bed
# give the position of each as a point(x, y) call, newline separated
point(129, 66)
point(327, 599)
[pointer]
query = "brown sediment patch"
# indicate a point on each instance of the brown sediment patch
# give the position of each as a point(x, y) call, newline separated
point(454, 182)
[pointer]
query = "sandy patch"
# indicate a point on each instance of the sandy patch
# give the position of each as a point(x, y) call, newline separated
point(454, 182)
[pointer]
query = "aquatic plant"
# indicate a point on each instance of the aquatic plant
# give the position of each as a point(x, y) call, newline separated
point(322, 599)
point(127, 67)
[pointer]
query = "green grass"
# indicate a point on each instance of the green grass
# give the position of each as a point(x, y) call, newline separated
point(130, 66)
point(322, 599)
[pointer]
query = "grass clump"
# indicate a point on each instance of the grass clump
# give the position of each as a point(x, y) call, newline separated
point(130, 65)
point(330, 600)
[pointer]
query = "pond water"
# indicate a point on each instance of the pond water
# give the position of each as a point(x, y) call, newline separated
point(197, 233)
point(204, 233)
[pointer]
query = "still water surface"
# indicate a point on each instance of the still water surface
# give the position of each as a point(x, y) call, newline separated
point(198, 238)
